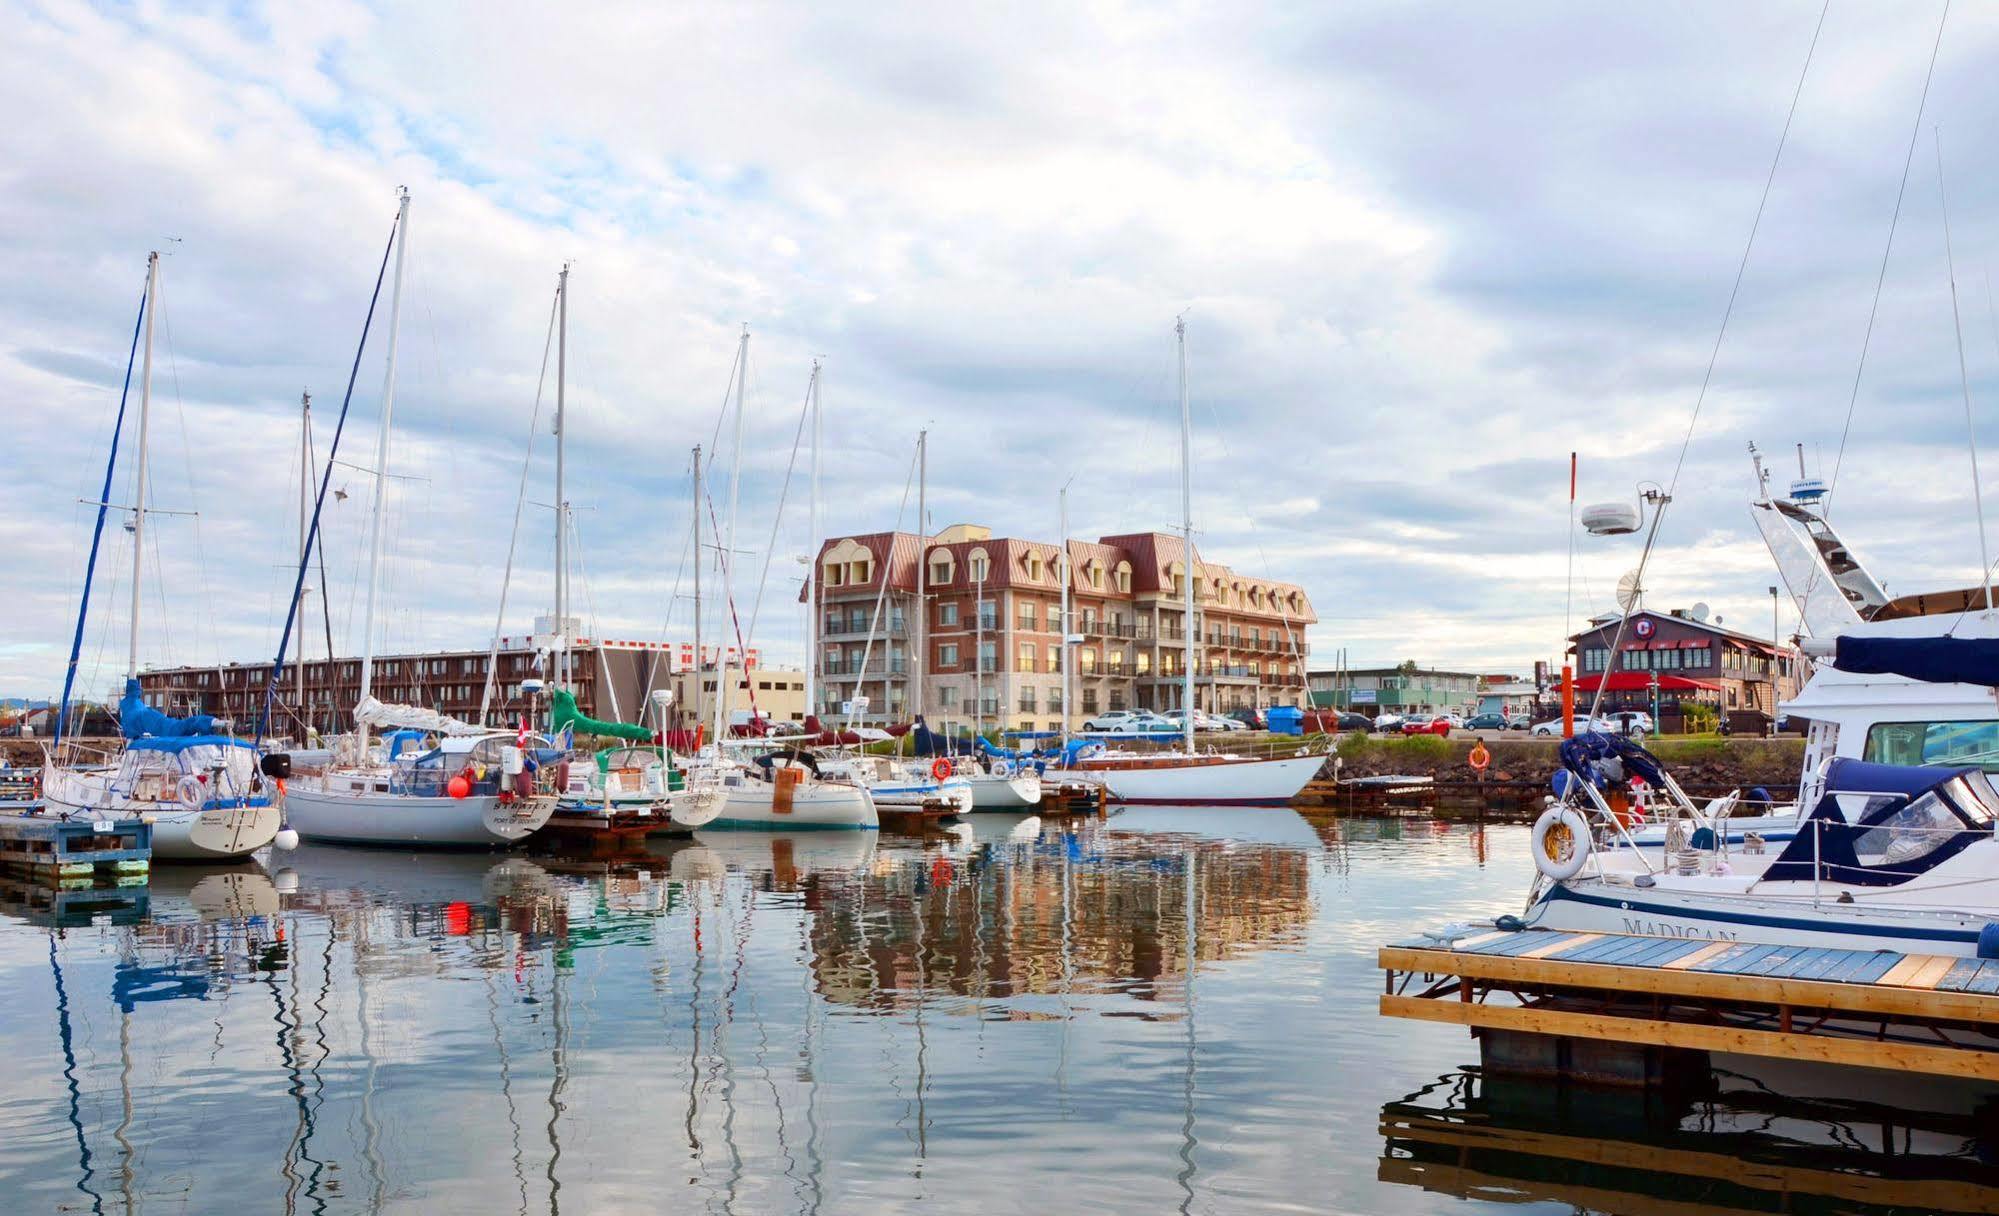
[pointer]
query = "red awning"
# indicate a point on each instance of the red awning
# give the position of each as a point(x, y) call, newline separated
point(1640, 681)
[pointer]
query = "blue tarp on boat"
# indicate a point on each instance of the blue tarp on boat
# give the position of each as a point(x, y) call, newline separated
point(139, 720)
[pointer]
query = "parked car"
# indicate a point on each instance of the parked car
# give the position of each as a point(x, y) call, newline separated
point(1486, 722)
point(1252, 719)
point(1332, 722)
point(1388, 724)
point(1439, 724)
point(1519, 722)
point(1109, 720)
point(1203, 720)
point(1144, 723)
point(1632, 722)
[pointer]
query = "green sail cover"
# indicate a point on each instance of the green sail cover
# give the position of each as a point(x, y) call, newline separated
point(566, 714)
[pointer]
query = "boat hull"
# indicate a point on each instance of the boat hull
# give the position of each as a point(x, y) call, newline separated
point(1224, 783)
point(1601, 908)
point(222, 833)
point(994, 792)
point(477, 822)
point(753, 806)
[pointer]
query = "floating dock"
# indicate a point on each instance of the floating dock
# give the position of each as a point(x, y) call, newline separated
point(1072, 798)
point(1628, 1009)
point(76, 852)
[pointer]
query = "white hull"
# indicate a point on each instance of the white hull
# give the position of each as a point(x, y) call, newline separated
point(214, 835)
point(1593, 906)
point(993, 792)
point(752, 804)
point(1230, 783)
point(344, 817)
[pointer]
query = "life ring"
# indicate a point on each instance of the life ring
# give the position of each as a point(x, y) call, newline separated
point(1561, 842)
point(1479, 758)
point(940, 768)
point(192, 792)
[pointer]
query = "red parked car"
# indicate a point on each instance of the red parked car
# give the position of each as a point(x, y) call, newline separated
point(1439, 725)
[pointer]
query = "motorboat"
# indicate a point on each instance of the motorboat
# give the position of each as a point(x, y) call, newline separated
point(1890, 857)
point(896, 785)
point(771, 792)
point(1176, 776)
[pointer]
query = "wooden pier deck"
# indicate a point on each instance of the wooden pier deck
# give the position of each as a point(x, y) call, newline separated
point(1922, 1013)
point(76, 852)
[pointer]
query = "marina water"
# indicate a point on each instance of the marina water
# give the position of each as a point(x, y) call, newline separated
point(1166, 1010)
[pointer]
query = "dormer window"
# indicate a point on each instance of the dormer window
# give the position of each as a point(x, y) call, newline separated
point(942, 566)
point(1033, 561)
point(836, 574)
point(980, 564)
point(1124, 578)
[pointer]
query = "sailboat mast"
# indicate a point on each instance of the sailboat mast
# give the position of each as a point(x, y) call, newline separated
point(139, 497)
point(729, 546)
point(1187, 525)
point(812, 607)
point(561, 504)
point(699, 702)
point(1068, 655)
point(382, 463)
point(304, 521)
point(922, 570)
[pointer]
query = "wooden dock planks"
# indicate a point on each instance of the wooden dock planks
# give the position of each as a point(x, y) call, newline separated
point(1920, 990)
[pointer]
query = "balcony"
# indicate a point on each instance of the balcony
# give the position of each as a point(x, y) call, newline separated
point(855, 625)
point(876, 668)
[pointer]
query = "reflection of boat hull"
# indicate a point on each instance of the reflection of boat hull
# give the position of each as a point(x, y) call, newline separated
point(407, 878)
point(215, 892)
point(1209, 782)
point(476, 822)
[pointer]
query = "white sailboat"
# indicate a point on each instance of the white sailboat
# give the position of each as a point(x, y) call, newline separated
point(725, 791)
point(1187, 774)
point(201, 790)
point(464, 791)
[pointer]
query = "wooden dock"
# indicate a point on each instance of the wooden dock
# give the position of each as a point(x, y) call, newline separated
point(1072, 798)
point(76, 852)
point(1561, 1003)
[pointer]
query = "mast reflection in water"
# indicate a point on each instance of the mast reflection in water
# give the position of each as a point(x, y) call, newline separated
point(1167, 1010)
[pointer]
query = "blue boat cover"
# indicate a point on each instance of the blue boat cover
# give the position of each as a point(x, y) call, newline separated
point(1931, 660)
point(1892, 840)
point(180, 743)
point(139, 720)
point(1585, 754)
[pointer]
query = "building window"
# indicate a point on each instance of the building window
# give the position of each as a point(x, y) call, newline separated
point(1089, 700)
point(988, 656)
point(947, 697)
point(988, 615)
point(1033, 567)
point(941, 566)
point(1027, 615)
point(1144, 664)
point(1027, 658)
point(947, 655)
point(836, 574)
point(859, 572)
point(1124, 578)
point(1027, 700)
point(1699, 657)
point(947, 615)
point(1086, 661)
point(1055, 700)
point(980, 566)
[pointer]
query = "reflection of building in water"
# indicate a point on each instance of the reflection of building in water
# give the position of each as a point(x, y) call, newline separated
point(1744, 1148)
point(1013, 920)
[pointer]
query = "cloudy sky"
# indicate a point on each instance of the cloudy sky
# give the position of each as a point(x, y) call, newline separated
point(1424, 251)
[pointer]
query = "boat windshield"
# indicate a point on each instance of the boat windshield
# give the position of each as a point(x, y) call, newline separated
point(1952, 744)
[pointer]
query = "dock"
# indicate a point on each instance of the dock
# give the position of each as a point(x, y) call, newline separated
point(76, 852)
point(1072, 798)
point(1629, 1009)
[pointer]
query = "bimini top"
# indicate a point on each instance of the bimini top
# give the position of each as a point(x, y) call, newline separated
point(1877, 825)
point(1933, 660)
point(181, 743)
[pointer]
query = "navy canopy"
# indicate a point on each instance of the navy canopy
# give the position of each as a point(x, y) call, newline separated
point(1931, 660)
point(1909, 820)
point(139, 720)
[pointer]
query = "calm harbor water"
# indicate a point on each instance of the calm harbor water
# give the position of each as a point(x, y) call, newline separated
point(1162, 1011)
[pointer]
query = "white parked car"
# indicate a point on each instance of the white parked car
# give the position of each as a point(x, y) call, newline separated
point(1111, 720)
point(1633, 722)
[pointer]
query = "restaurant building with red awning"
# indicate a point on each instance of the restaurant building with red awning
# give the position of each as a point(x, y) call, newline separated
point(1689, 660)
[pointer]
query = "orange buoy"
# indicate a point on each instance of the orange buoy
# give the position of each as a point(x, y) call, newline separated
point(940, 768)
point(1480, 758)
point(459, 787)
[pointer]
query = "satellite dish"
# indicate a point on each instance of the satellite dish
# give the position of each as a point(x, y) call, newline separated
point(1628, 591)
point(1699, 611)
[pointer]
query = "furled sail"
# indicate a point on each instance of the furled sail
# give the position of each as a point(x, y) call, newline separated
point(139, 720)
point(371, 712)
point(565, 713)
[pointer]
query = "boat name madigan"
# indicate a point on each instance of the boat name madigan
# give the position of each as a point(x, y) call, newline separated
point(1655, 928)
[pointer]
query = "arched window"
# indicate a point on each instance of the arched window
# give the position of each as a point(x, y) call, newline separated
point(1124, 578)
point(942, 566)
point(980, 566)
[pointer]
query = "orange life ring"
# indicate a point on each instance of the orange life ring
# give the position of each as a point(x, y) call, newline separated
point(1479, 757)
point(940, 768)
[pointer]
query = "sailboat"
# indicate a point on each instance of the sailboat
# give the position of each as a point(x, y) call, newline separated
point(467, 790)
point(1186, 774)
point(774, 790)
point(201, 790)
